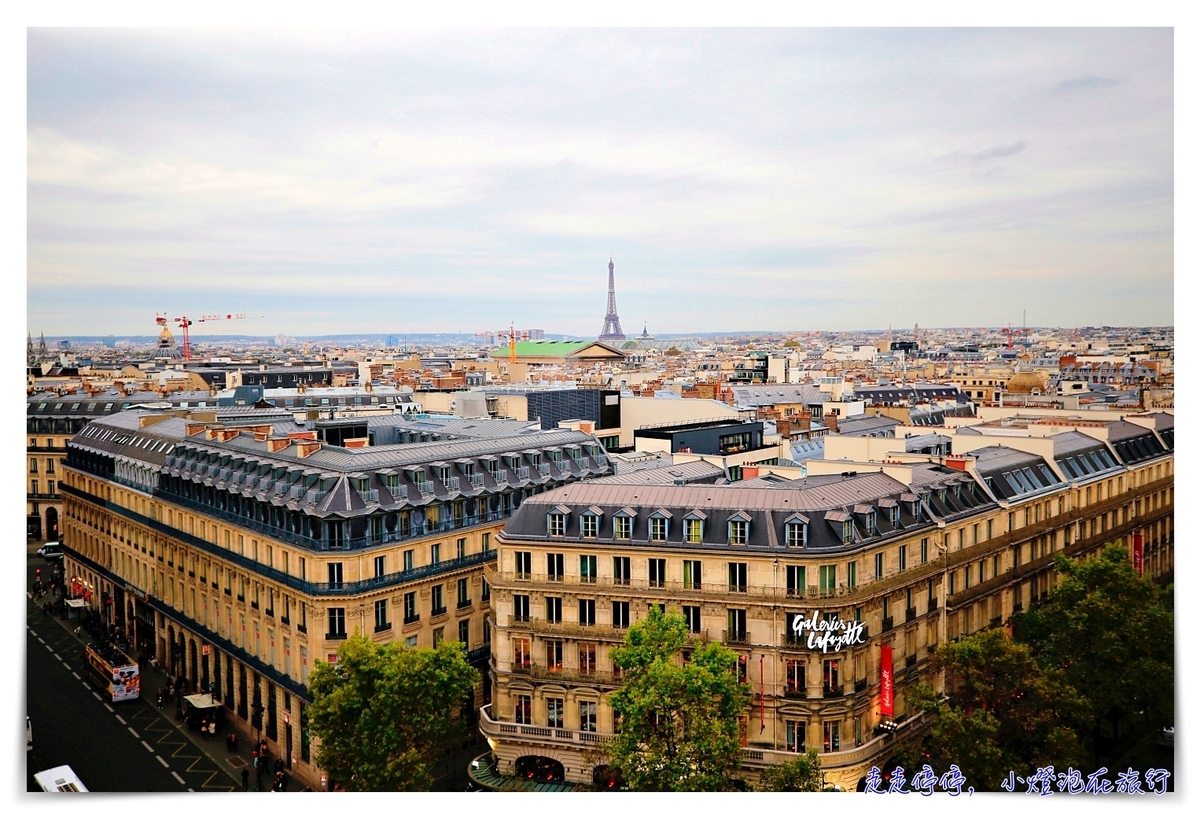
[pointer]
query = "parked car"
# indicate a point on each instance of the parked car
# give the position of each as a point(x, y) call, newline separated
point(51, 551)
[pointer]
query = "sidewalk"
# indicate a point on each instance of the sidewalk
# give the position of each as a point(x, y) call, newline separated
point(214, 748)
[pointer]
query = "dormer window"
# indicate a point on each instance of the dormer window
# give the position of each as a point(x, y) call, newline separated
point(847, 532)
point(589, 524)
point(693, 530)
point(557, 524)
point(894, 511)
point(739, 529)
point(659, 527)
point(623, 525)
point(797, 534)
point(869, 523)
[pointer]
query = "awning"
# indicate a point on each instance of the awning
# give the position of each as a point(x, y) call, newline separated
point(76, 603)
point(203, 701)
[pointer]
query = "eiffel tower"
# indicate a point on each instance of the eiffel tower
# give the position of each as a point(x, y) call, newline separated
point(612, 324)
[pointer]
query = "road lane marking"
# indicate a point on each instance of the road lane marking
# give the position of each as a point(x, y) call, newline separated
point(135, 733)
point(121, 719)
point(149, 749)
point(109, 708)
point(97, 695)
point(190, 789)
point(179, 778)
point(160, 761)
point(67, 666)
point(56, 656)
point(80, 678)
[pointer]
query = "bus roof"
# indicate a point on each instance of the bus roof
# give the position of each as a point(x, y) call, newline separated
point(59, 779)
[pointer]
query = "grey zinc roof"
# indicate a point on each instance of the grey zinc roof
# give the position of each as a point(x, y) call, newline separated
point(668, 474)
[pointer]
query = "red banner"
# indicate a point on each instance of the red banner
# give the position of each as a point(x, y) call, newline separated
point(887, 686)
point(1139, 553)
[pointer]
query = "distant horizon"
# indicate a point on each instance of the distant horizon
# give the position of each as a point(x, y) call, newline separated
point(813, 177)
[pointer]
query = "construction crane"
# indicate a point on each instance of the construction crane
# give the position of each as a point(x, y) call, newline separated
point(513, 336)
point(183, 322)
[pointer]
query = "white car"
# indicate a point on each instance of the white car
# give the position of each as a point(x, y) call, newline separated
point(51, 551)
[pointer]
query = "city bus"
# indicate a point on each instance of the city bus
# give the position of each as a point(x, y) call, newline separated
point(59, 779)
point(114, 672)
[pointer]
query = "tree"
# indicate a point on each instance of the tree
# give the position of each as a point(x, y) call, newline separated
point(801, 774)
point(678, 726)
point(1112, 634)
point(383, 713)
point(1001, 711)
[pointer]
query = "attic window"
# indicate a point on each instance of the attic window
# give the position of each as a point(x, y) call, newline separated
point(589, 525)
point(739, 531)
point(847, 532)
point(797, 535)
point(556, 524)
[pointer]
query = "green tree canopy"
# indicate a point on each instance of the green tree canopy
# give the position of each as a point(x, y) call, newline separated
point(1112, 634)
point(1002, 711)
point(383, 713)
point(801, 774)
point(677, 722)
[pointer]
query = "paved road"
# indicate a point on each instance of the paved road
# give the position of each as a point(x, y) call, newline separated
point(123, 747)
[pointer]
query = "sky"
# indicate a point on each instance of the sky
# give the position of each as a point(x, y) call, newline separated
point(782, 179)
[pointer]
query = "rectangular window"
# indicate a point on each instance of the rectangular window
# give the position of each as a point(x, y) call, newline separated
point(464, 632)
point(693, 530)
point(797, 684)
point(796, 583)
point(410, 607)
point(657, 571)
point(587, 568)
point(335, 575)
point(486, 593)
point(408, 560)
point(460, 548)
point(523, 561)
point(521, 653)
point(903, 557)
point(738, 532)
point(587, 717)
point(587, 612)
point(381, 618)
point(337, 623)
point(827, 575)
point(658, 529)
point(587, 658)
point(620, 570)
point(879, 565)
point(521, 607)
point(852, 574)
point(924, 550)
point(554, 567)
point(620, 614)
point(589, 525)
point(439, 636)
point(797, 535)
point(486, 541)
point(795, 731)
point(523, 712)
point(832, 684)
point(557, 525)
point(833, 736)
point(692, 575)
point(464, 596)
point(737, 577)
point(737, 625)
point(380, 569)
point(554, 655)
point(554, 712)
point(435, 553)
point(554, 609)
point(691, 614)
point(437, 604)
point(622, 528)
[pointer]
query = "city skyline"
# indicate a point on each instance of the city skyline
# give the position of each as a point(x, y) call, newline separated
point(454, 181)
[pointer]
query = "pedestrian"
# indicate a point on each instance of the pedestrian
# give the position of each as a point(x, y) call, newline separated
point(212, 728)
point(204, 727)
point(160, 699)
point(245, 779)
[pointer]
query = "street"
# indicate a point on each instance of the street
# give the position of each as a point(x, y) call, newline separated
point(124, 747)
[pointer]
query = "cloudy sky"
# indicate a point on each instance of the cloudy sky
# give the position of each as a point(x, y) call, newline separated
point(741, 179)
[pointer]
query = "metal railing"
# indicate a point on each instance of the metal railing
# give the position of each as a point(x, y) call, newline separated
point(451, 483)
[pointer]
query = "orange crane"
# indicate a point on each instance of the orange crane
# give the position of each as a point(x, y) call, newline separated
point(183, 322)
point(513, 336)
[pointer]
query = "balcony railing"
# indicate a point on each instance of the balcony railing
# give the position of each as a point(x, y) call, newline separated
point(735, 637)
point(910, 614)
point(522, 472)
point(451, 483)
point(424, 486)
point(477, 480)
point(887, 624)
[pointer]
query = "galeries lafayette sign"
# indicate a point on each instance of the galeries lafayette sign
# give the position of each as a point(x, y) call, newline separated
point(832, 634)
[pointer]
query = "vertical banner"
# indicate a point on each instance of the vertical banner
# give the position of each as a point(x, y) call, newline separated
point(1139, 553)
point(762, 683)
point(887, 688)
